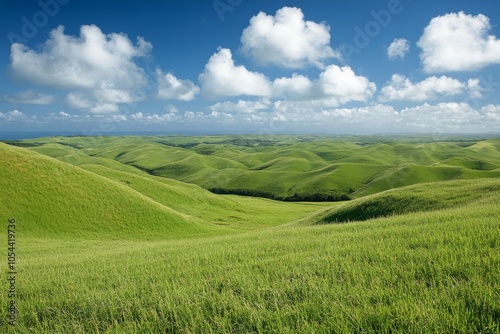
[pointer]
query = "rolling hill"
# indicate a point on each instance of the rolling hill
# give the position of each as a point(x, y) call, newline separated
point(55, 199)
point(106, 246)
point(434, 196)
point(293, 168)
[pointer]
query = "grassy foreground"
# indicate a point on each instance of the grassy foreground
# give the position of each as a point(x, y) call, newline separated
point(103, 247)
point(422, 272)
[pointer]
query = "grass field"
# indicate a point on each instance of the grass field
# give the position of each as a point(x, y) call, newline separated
point(111, 239)
point(282, 167)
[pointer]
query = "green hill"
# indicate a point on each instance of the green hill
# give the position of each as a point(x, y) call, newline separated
point(56, 199)
point(434, 271)
point(105, 246)
point(284, 167)
point(416, 198)
point(52, 198)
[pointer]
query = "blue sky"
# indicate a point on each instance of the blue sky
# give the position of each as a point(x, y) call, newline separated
point(241, 66)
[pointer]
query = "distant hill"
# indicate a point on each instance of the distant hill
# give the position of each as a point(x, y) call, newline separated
point(53, 199)
point(296, 168)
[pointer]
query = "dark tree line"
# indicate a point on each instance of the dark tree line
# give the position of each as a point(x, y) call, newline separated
point(294, 198)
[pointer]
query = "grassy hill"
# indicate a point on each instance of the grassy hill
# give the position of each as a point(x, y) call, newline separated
point(424, 197)
point(55, 199)
point(284, 167)
point(105, 246)
point(434, 271)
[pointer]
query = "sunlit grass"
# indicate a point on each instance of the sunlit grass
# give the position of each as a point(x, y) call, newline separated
point(282, 166)
point(423, 272)
point(103, 247)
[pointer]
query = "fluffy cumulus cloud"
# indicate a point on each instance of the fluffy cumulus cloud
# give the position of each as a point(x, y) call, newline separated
point(458, 42)
point(400, 88)
point(13, 115)
point(101, 65)
point(475, 88)
point(341, 85)
point(172, 88)
point(334, 86)
point(398, 48)
point(100, 101)
point(294, 112)
point(104, 108)
point(29, 97)
point(78, 101)
point(430, 118)
point(241, 106)
point(287, 40)
point(492, 113)
point(155, 118)
point(296, 86)
point(442, 116)
point(222, 77)
point(81, 62)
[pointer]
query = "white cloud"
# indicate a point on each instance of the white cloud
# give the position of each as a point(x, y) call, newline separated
point(302, 113)
point(400, 88)
point(104, 108)
point(78, 101)
point(13, 115)
point(105, 99)
point(30, 97)
point(335, 86)
point(297, 85)
point(371, 115)
point(107, 93)
point(94, 105)
point(458, 42)
point(102, 65)
point(171, 88)
point(341, 85)
point(101, 102)
point(491, 112)
point(81, 62)
point(222, 77)
point(169, 117)
point(398, 48)
point(475, 88)
point(171, 109)
point(441, 116)
point(241, 106)
point(287, 40)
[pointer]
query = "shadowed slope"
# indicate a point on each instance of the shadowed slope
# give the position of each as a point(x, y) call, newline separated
point(416, 198)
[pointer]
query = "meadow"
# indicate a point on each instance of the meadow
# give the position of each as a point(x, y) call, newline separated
point(122, 235)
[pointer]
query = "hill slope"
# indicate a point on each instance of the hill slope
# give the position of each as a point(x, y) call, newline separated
point(51, 198)
point(416, 198)
point(432, 272)
point(55, 199)
point(284, 167)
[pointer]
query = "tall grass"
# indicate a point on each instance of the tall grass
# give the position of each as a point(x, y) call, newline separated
point(422, 272)
point(103, 247)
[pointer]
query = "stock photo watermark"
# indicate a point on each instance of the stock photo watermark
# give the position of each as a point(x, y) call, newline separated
point(221, 7)
point(365, 34)
point(12, 272)
point(31, 25)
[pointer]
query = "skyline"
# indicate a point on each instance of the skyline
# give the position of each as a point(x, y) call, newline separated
point(235, 66)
